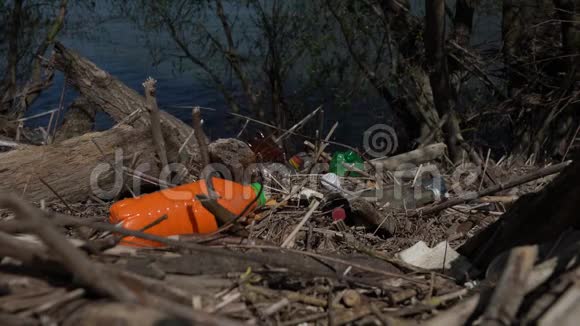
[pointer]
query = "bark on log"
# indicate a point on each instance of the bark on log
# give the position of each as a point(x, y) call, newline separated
point(533, 218)
point(67, 166)
point(124, 104)
point(121, 314)
point(78, 120)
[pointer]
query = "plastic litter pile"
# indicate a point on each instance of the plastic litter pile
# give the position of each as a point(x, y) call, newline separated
point(257, 234)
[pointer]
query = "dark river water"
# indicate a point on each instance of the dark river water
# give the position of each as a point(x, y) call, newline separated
point(118, 47)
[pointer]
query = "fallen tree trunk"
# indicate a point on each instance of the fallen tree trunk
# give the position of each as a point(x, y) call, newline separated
point(79, 119)
point(76, 168)
point(125, 105)
point(533, 219)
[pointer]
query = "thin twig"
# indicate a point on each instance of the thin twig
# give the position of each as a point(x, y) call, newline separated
point(323, 146)
point(319, 131)
point(297, 125)
point(60, 108)
point(200, 136)
point(484, 170)
point(185, 142)
point(48, 128)
point(56, 194)
point(146, 227)
point(37, 115)
point(243, 128)
point(289, 242)
point(150, 89)
point(572, 141)
point(293, 133)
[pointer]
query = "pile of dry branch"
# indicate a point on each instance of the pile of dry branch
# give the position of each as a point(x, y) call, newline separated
point(287, 263)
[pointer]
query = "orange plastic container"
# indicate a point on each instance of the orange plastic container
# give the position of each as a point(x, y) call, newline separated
point(185, 214)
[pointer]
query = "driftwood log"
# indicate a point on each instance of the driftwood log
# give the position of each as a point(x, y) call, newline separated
point(125, 105)
point(66, 167)
point(78, 120)
point(63, 171)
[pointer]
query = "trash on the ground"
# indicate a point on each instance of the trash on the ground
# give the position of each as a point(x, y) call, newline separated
point(243, 272)
point(301, 161)
point(437, 186)
point(338, 214)
point(277, 174)
point(333, 200)
point(442, 256)
point(266, 149)
point(185, 213)
point(338, 158)
point(307, 194)
point(407, 195)
point(338, 219)
point(331, 182)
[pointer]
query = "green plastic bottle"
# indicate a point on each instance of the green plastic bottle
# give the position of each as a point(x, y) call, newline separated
point(349, 157)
